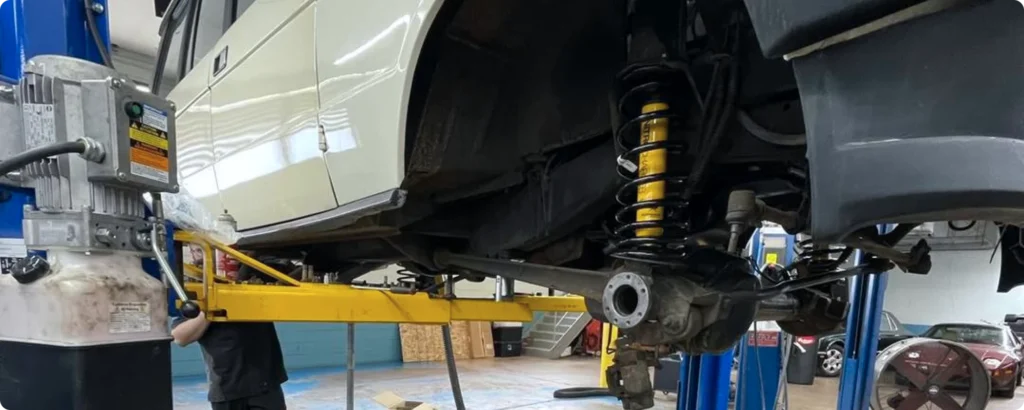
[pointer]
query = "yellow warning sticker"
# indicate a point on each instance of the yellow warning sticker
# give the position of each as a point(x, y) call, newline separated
point(149, 151)
point(771, 258)
point(148, 136)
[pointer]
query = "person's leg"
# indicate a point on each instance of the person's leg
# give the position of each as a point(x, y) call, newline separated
point(271, 400)
point(239, 404)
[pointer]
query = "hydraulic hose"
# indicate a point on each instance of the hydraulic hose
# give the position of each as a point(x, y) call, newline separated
point(94, 32)
point(20, 160)
point(582, 392)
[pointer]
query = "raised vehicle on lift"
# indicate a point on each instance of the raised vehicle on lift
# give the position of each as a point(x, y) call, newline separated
point(621, 150)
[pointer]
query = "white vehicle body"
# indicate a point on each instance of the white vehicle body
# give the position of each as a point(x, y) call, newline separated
point(305, 97)
point(610, 145)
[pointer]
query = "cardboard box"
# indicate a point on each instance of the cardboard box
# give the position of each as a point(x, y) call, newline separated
point(481, 341)
point(392, 401)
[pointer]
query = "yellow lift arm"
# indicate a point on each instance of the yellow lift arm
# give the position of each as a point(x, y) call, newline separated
point(295, 301)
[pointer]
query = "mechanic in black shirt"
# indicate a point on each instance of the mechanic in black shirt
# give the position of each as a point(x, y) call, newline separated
point(243, 362)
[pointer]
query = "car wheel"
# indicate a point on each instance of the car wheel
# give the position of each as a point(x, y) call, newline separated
point(1020, 377)
point(832, 364)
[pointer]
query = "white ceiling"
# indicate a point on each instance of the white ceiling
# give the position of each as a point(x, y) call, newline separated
point(134, 25)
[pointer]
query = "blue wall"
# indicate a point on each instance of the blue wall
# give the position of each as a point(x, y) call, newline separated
point(309, 345)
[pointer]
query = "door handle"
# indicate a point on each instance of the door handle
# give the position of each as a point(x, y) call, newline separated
point(220, 61)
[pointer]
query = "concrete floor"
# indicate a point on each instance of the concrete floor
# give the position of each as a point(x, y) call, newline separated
point(487, 384)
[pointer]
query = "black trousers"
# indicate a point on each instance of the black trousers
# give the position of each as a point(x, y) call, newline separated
point(271, 400)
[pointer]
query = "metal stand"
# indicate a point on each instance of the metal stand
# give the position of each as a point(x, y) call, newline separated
point(350, 388)
point(867, 294)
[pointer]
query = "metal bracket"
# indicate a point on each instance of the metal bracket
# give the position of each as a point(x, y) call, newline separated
point(85, 231)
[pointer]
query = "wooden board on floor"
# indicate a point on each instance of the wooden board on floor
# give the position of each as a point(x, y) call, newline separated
point(481, 341)
point(423, 343)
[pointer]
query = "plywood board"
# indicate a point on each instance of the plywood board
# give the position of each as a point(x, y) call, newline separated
point(481, 343)
point(423, 343)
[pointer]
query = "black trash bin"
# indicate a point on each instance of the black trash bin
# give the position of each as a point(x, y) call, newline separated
point(803, 360)
point(666, 377)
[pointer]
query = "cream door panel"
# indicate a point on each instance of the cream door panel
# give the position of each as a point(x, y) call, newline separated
point(366, 56)
point(195, 147)
point(269, 166)
point(260, 22)
point(195, 155)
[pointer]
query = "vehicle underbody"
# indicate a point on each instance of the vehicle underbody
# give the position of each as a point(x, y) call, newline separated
point(626, 151)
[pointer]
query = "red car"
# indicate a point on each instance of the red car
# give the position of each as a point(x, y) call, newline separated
point(997, 347)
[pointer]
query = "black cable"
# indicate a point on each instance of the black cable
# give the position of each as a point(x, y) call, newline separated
point(90, 20)
point(20, 160)
point(582, 392)
point(453, 374)
point(717, 122)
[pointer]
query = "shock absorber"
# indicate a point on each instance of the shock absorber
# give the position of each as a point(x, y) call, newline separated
point(651, 224)
point(652, 163)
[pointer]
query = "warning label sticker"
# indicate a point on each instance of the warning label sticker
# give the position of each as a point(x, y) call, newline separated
point(12, 250)
point(149, 146)
point(763, 339)
point(130, 317)
point(154, 118)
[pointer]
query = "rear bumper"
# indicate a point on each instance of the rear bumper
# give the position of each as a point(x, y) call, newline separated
point(920, 121)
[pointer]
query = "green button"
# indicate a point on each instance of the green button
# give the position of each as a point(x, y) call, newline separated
point(133, 109)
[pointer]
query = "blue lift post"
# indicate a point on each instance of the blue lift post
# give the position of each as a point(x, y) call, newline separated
point(761, 352)
point(704, 381)
point(35, 27)
point(866, 296)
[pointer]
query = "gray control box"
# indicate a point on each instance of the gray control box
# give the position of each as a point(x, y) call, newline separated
point(137, 130)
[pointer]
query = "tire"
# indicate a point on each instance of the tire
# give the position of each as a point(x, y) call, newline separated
point(832, 364)
point(1020, 377)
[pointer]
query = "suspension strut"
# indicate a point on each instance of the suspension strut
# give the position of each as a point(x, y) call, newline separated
point(652, 163)
point(655, 91)
point(652, 223)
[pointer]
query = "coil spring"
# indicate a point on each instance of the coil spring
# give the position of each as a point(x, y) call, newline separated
point(407, 278)
point(665, 236)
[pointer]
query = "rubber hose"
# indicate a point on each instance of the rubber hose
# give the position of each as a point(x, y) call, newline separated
point(582, 392)
point(94, 32)
point(36, 154)
point(453, 374)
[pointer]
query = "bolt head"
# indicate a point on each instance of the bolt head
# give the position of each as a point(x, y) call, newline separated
point(98, 8)
point(121, 176)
